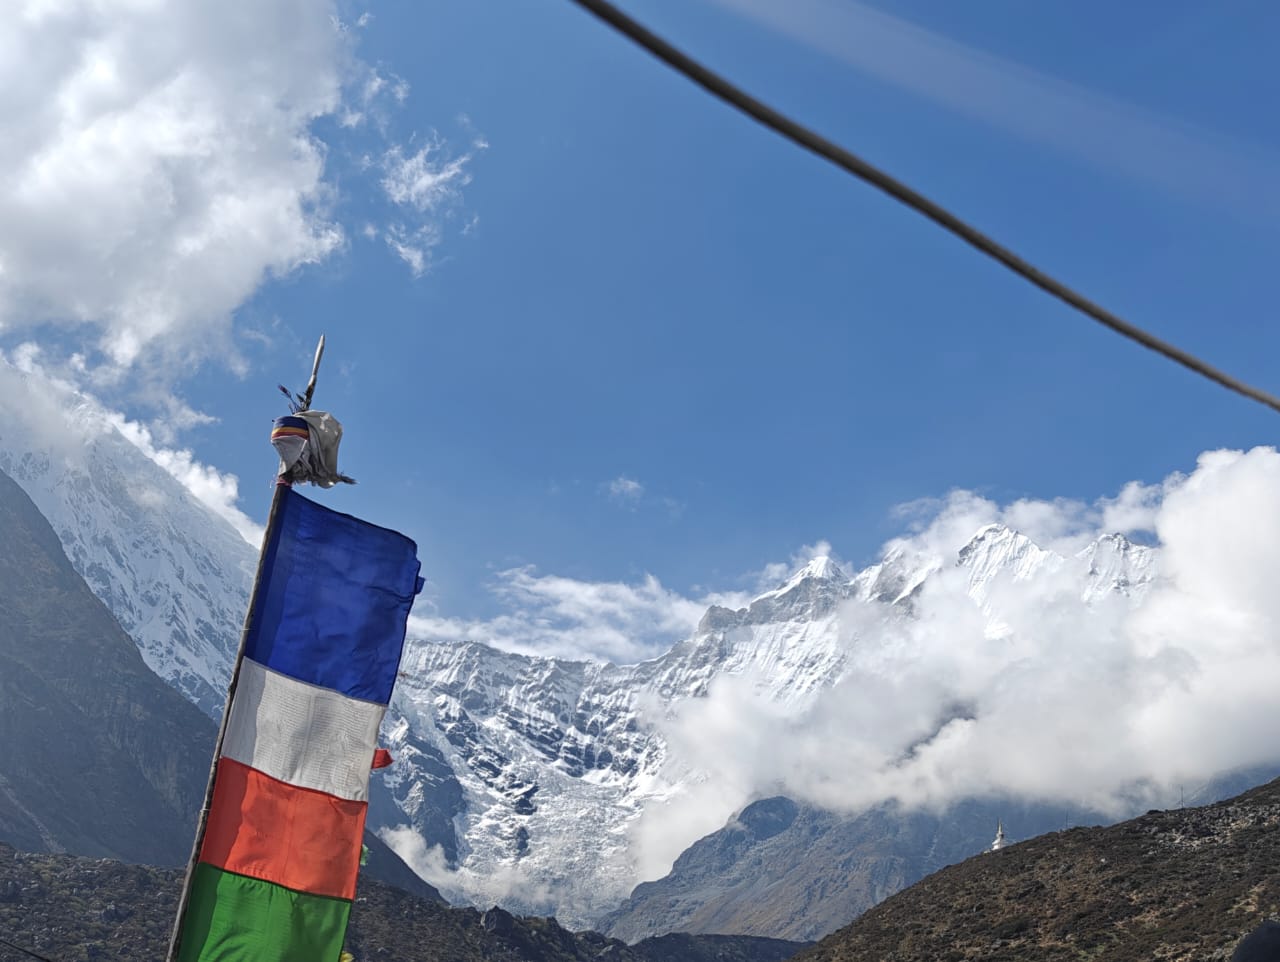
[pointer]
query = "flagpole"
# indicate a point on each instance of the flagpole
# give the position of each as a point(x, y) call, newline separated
point(175, 940)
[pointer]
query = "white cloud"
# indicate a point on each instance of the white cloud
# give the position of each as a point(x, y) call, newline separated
point(216, 489)
point(157, 165)
point(1111, 704)
point(413, 246)
point(161, 162)
point(626, 490)
point(1134, 509)
point(1036, 692)
point(554, 616)
point(423, 180)
point(424, 185)
point(497, 885)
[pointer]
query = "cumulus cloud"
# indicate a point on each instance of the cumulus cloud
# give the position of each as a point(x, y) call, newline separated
point(1040, 692)
point(555, 616)
point(157, 165)
point(161, 161)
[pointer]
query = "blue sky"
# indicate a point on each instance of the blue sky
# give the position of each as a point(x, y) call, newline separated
point(650, 337)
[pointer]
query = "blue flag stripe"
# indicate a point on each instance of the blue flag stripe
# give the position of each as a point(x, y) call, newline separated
point(333, 600)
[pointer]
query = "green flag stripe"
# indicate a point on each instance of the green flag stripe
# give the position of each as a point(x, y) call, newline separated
point(233, 918)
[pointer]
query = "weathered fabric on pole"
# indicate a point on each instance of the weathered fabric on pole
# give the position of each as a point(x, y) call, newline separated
point(289, 436)
point(278, 863)
point(308, 446)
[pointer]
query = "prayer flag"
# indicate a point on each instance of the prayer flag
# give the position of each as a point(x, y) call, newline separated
point(277, 866)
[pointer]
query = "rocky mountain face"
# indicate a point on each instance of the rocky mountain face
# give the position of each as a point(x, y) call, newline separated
point(798, 872)
point(801, 873)
point(99, 910)
point(1183, 885)
point(97, 755)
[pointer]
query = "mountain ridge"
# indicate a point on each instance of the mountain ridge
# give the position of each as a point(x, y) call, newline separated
point(1180, 885)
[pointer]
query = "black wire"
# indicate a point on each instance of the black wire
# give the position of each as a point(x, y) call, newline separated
point(18, 948)
point(855, 165)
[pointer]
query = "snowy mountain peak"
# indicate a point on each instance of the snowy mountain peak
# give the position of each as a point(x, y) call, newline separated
point(997, 549)
point(812, 592)
point(1117, 565)
point(820, 567)
point(995, 540)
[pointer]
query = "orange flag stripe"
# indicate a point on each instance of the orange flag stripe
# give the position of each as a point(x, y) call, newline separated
point(267, 829)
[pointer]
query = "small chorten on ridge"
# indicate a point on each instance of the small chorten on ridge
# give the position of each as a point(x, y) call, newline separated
point(999, 843)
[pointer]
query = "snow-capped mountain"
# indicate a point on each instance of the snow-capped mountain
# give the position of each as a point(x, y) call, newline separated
point(557, 761)
point(175, 575)
point(518, 780)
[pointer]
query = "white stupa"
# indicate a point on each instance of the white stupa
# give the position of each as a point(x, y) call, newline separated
point(999, 843)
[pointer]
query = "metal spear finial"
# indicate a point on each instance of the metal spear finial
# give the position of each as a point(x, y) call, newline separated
point(315, 369)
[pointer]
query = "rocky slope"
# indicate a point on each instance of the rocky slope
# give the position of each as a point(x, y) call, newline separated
point(1180, 886)
point(97, 755)
point(797, 872)
point(98, 910)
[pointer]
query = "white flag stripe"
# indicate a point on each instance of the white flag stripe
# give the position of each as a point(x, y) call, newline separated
point(302, 734)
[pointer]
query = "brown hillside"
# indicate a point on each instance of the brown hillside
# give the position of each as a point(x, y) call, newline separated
point(1174, 885)
point(98, 910)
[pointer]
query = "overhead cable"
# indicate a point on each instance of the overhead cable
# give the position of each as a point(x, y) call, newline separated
point(812, 141)
point(26, 952)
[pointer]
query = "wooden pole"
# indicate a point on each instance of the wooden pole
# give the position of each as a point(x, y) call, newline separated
point(184, 899)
